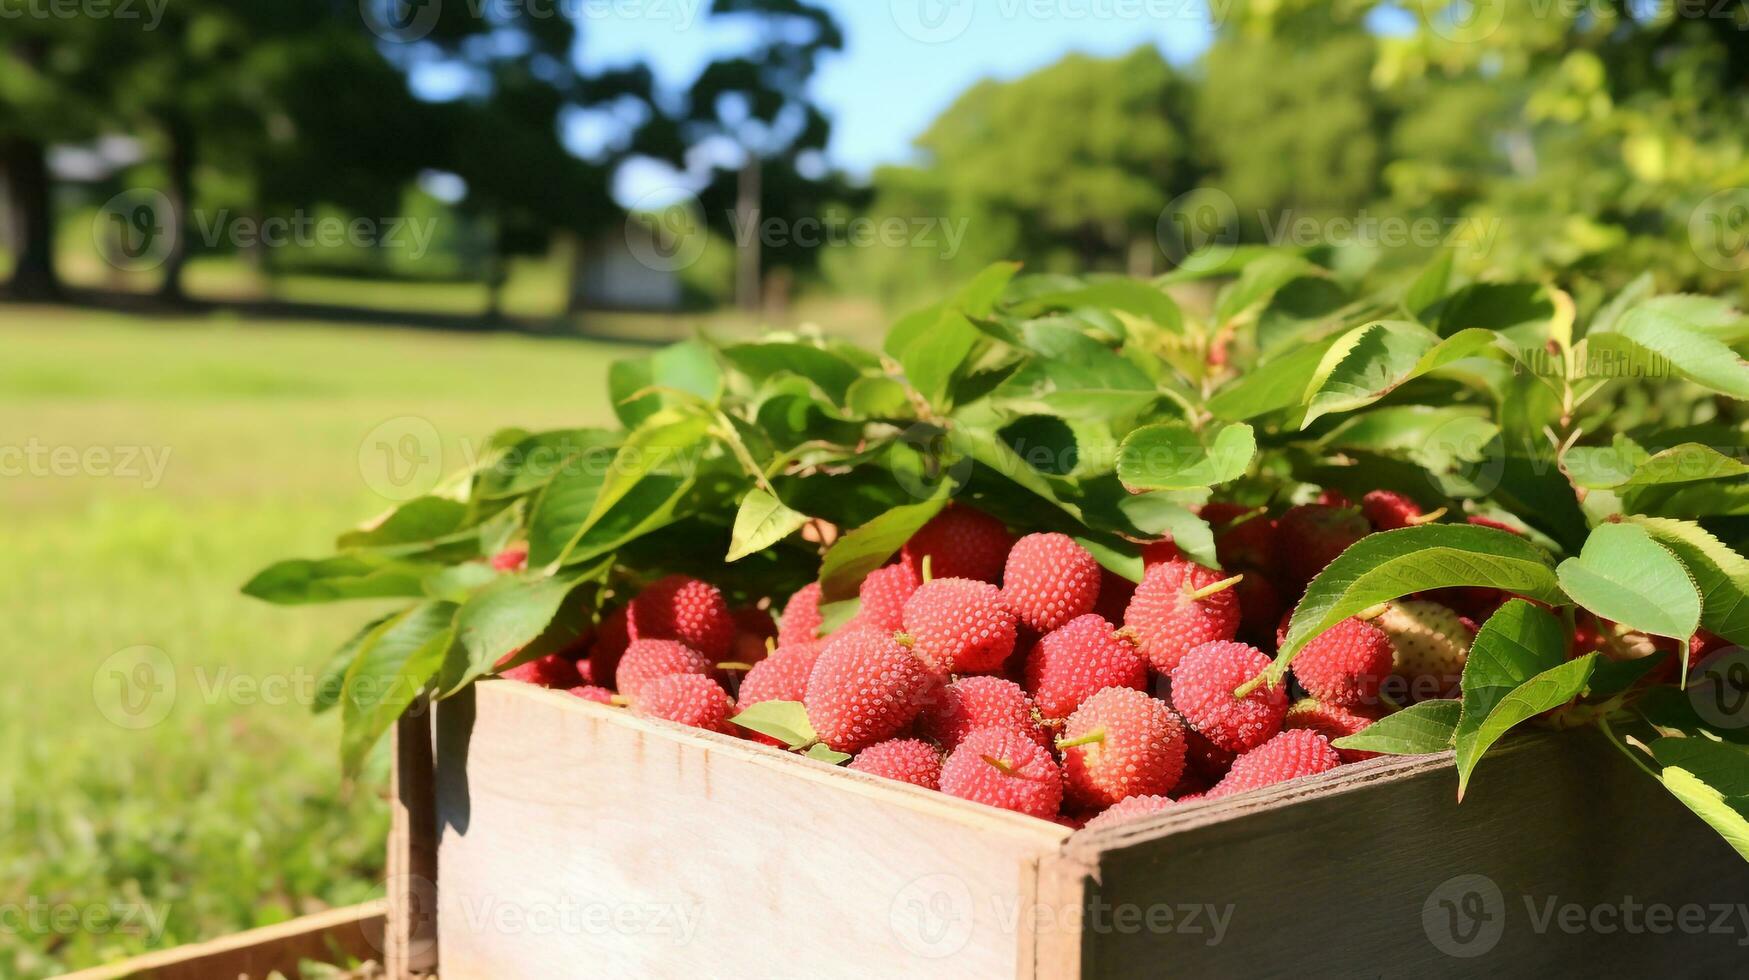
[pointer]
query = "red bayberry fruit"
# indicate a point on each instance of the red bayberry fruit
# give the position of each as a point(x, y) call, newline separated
point(1086, 656)
point(1346, 664)
point(905, 759)
point(1181, 605)
point(1125, 810)
point(687, 699)
point(592, 692)
point(1121, 743)
point(554, 671)
point(781, 676)
point(1288, 755)
point(960, 543)
point(959, 625)
point(884, 592)
point(1049, 580)
point(1310, 537)
point(801, 616)
point(610, 645)
point(1004, 769)
point(972, 703)
point(683, 609)
point(1332, 722)
point(863, 689)
point(1202, 691)
point(647, 660)
point(1389, 510)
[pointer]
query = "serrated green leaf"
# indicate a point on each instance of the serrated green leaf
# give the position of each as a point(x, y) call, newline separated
point(1370, 362)
point(1173, 456)
point(1647, 342)
point(1137, 298)
point(332, 678)
point(1622, 574)
point(536, 460)
point(868, 547)
point(1156, 514)
point(1517, 669)
point(831, 372)
point(786, 721)
point(1723, 815)
point(418, 521)
point(1420, 729)
point(502, 620)
point(761, 522)
point(1259, 281)
point(1277, 384)
point(682, 371)
point(361, 575)
point(1520, 311)
point(1625, 465)
point(1720, 572)
point(457, 582)
point(393, 666)
point(1393, 564)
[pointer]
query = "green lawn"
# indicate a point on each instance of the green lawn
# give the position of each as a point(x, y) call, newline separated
point(229, 812)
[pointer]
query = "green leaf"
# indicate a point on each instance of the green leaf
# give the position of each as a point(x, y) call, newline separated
point(1622, 574)
point(1648, 342)
point(393, 666)
point(332, 678)
point(1723, 765)
point(354, 576)
point(868, 547)
point(1430, 286)
point(1624, 465)
point(1370, 362)
point(1517, 669)
point(1278, 383)
point(1156, 514)
point(1521, 311)
point(1420, 729)
point(1393, 564)
point(879, 398)
point(1720, 572)
point(1173, 456)
point(1131, 296)
point(834, 615)
point(457, 582)
point(417, 521)
point(683, 372)
point(935, 345)
point(560, 511)
point(1259, 281)
point(761, 522)
point(536, 460)
point(786, 721)
point(658, 460)
point(759, 361)
point(504, 619)
point(1708, 778)
point(830, 756)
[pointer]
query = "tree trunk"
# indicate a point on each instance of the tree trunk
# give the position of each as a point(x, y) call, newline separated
point(31, 217)
point(747, 258)
point(180, 163)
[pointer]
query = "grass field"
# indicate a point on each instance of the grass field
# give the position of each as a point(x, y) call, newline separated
point(228, 445)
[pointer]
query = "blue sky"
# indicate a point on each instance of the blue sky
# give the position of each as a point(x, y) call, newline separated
point(904, 60)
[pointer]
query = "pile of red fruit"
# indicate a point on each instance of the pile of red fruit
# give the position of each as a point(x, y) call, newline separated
point(1021, 674)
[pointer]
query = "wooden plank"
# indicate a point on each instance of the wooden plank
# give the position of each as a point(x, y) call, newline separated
point(1549, 865)
point(576, 839)
point(354, 932)
point(412, 859)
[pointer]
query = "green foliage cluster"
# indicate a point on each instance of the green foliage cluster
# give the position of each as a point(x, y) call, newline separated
point(1099, 407)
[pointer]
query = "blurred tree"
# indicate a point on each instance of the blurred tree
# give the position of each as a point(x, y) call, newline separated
point(756, 106)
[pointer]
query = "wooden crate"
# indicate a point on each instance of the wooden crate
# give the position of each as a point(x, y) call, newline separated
point(578, 840)
point(335, 936)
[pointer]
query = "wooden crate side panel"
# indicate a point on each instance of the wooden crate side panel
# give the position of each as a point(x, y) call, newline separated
point(577, 840)
point(354, 932)
point(1382, 873)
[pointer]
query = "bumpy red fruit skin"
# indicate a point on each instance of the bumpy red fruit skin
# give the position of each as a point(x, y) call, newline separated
point(687, 699)
point(1220, 513)
point(1139, 751)
point(1129, 809)
point(1202, 691)
point(511, 559)
point(1168, 622)
point(1389, 510)
point(960, 543)
point(1027, 781)
point(1289, 755)
point(610, 645)
point(553, 670)
point(592, 692)
point(863, 689)
point(1346, 664)
point(1310, 537)
point(647, 660)
point(684, 609)
point(906, 759)
point(959, 625)
point(1049, 580)
point(801, 616)
point(884, 593)
point(781, 676)
point(971, 703)
point(1332, 722)
point(1069, 665)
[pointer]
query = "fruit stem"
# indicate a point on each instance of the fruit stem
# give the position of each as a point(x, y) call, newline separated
point(1428, 518)
point(734, 665)
point(1221, 586)
point(618, 701)
point(1246, 689)
point(928, 572)
point(1001, 765)
point(1609, 733)
point(1096, 735)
